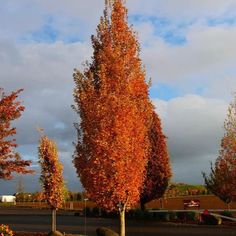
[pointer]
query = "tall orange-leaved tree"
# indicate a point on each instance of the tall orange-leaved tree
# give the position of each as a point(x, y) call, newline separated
point(158, 172)
point(10, 161)
point(51, 176)
point(222, 178)
point(111, 98)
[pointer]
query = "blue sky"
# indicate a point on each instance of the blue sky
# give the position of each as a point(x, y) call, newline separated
point(187, 48)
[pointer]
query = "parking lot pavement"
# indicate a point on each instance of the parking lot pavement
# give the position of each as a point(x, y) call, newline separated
point(39, 220)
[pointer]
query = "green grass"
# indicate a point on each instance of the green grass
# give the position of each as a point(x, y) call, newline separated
point(6, 204)
point(184, 187)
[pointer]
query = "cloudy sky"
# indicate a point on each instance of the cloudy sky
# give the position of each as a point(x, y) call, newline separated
point(188, 49)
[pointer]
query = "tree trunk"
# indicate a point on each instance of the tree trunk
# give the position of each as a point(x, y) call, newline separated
point(54, 220)
point(122, 221)
point(142, 205)
point(161, 202)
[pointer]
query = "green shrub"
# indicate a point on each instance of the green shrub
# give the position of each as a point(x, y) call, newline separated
point(181, 215)
point(161, 216)
point(130, 213)
point(226, 213)
point(138, 214)
point(210, 220)
point(172, 215)
point(95, 211)
point(105, 232)
point(191, 215)
point(111, 214)
point(78, 213)
point(147, 215)
point(87, 211)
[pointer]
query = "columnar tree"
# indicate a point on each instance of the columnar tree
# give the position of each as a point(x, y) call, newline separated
point(158, 168)
point(111, 98)
point(51, 176)
point(10, 161)
point(222, 179)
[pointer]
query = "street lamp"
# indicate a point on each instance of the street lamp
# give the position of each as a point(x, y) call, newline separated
point(85, 222)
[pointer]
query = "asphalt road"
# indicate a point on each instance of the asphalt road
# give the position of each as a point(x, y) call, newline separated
point(39, 220)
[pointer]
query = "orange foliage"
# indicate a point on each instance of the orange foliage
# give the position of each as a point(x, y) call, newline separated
point(10, 110)
point(51, 173)
point(158, 167)
point(222, 180)
point(111, 97)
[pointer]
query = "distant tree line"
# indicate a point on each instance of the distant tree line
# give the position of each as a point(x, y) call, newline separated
point(38, 196)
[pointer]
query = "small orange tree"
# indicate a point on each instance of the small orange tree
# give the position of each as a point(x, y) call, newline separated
point(10, 161)
point(222, 179)
point(158, 168)
point(51, 176)
point(111, 98)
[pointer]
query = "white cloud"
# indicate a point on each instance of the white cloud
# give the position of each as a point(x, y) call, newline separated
point(182, 9)
point(51, 65)
point(194, 127)
point(207, 51)
point(45, 73)
point(207, 59)
point(82, 9)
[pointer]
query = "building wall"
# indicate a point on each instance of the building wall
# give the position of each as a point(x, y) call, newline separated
point(176, 203)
